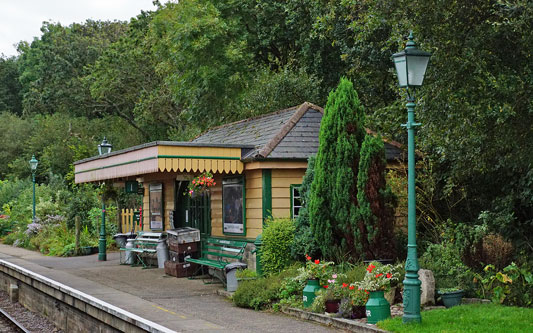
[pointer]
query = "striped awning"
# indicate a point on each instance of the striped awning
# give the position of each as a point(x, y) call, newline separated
point(159, 157)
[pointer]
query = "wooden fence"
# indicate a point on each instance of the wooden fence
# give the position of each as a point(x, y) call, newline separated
point(127, 221)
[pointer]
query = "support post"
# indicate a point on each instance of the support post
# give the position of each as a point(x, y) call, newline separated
point(411, 293)
point(102, 256)
point(33, 180)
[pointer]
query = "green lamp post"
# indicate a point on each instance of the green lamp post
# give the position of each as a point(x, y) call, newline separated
point(411, 65)
point(33, 166)
point(103, 148)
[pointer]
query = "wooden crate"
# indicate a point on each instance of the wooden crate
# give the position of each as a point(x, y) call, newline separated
point(180, 269)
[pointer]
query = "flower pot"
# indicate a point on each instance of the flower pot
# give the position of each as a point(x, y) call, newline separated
point(358, 311)
point(332, 305)
point(309, 293)
point(377, 307)
point(451, 298)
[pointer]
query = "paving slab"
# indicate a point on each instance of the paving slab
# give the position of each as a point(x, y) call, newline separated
point(182, 305)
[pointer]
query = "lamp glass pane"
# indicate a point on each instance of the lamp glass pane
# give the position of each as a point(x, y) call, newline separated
point(416, 66)
point(401, 70)
point(33, 164)
point(100, 150)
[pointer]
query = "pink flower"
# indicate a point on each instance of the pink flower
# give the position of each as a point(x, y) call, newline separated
point(334, 276)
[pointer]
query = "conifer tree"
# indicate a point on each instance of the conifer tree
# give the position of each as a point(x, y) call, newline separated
point(333, 201)
point(376, 202)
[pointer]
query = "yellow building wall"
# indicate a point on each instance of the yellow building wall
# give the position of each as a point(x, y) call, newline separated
point(282, 179)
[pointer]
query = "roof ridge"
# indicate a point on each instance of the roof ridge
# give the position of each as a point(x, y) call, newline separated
point(285, 129)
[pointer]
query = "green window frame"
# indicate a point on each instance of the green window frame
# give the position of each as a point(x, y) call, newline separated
point(296, 200)
point(233, 206)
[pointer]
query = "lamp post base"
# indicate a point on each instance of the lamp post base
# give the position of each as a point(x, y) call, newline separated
point(102, 255)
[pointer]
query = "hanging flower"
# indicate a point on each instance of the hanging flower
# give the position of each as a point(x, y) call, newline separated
point(201, 184)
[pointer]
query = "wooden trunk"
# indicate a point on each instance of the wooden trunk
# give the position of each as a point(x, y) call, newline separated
point(182, 248)
point(180, 269)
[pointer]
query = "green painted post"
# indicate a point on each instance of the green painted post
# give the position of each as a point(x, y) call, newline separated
point(33, 179)
point(411, 65)
point(102, 256)
point(411, 293)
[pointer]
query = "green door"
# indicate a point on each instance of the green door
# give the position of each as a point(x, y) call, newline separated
point(192, 212)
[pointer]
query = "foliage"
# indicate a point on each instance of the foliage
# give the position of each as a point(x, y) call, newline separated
point(304, 242)
point(467, 318)
point(511, 286)
point(334, 289)
point(278, 235)
point(258, 294)
point(376, 202)
point(448, 269)
point(333, 199)
point(245, 274)
point(10, 100)
point(379, 277)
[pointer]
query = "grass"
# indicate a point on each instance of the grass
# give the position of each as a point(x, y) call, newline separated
point(468, 318)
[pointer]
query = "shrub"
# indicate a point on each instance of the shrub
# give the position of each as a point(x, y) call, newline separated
point(258, 294)
point(511, 286)
point(278, 235)
point(304, 242)
point(445, 262)
point(496, 251)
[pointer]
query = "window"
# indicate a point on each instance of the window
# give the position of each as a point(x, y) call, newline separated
point(296, 200)
point(233, 212)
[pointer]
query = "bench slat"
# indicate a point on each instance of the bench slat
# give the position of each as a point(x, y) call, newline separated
point(225, 255)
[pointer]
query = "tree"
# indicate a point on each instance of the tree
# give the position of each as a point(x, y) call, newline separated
point(376, 202)
point(10, 99)
point(333, 206)
point(51, 68)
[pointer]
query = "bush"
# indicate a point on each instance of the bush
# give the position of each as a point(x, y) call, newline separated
point(445, 262)
point(511, 286)
point(278, 235)
point(258, 294)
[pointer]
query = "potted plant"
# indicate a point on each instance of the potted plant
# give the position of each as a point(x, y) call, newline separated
point(377, 280)
point(314, 272)
point(353, 302)
point(451, 296)
point(334, 292)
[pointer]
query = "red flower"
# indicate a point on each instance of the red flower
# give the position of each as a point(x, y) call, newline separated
point(366, 291)
point(370, 268)
point(307, 257)
point(344, 285)
point(389, 275)
point(326, 286)
point(351, 287)
point(317, 261)
point(378, 275)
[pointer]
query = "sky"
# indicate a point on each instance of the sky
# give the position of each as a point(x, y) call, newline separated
point(22, 19)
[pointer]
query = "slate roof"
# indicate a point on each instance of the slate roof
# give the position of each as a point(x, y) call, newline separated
point(287, 134)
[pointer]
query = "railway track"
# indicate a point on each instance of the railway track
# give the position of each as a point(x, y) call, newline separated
point(9, 324)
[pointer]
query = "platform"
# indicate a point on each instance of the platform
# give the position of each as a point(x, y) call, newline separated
point(179, 304)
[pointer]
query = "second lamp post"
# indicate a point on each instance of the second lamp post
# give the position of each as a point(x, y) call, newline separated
point(411, 65)
point(103, 148)
point(33, 166)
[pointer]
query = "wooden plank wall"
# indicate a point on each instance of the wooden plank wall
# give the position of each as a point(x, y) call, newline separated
point(216, 207)
point(281, 190)
point(254, 203)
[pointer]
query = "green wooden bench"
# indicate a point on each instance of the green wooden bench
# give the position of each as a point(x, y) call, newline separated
point(144, 246)
point(217, 253)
